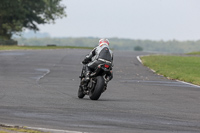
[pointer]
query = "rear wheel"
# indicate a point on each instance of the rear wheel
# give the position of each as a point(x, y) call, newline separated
point(98, 89)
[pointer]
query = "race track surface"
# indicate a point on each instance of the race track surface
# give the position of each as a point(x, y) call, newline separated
point(38, 88)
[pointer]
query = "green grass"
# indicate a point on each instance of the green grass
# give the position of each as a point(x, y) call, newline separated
point(23, 130)
point(39, 47)
point(3, 132)
point(194, 53)
point(175, 67)
point(8, 129)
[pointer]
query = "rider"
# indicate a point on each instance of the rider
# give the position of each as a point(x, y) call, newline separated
point(100, 54)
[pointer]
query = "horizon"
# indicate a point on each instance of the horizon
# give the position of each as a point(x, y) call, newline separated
point(29, 34)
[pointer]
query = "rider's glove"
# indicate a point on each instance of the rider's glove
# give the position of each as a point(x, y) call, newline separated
point(86, 60)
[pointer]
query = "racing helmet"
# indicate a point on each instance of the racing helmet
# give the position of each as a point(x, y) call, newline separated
point(103, 41)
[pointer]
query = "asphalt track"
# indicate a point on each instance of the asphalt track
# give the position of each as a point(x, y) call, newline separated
point(38, 88)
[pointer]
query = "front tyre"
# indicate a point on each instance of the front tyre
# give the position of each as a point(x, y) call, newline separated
point(80, 92)
point(98, 89)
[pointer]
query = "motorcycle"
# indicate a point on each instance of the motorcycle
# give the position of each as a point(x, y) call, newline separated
point(97, 84)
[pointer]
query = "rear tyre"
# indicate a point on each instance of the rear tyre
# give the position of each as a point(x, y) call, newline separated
point(98, 89)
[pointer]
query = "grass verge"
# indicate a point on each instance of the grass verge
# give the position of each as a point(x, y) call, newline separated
point(17, 129)
point(3, 131)
point(175, 67)
point(39, 47)
point(194, 53)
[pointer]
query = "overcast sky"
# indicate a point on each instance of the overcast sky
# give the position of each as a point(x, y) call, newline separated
point(134, 19)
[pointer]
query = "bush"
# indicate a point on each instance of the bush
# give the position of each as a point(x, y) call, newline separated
point(138, 48)
point(8, 42)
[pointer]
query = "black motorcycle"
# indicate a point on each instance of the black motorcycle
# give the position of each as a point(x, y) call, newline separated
point(97, 84)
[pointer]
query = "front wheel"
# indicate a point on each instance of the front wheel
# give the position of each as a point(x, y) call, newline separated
point(80, 92)
point(98, 89)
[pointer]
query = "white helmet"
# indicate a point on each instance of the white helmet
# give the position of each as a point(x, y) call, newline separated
point(103, 41)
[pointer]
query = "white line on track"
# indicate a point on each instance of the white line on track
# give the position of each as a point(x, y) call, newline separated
point(54, 130)
point(45, 129)
point(189, 83)
point(46, 71)
point(138, 58)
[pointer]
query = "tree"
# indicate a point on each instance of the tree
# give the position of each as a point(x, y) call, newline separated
point(17, 15)
point(138, 48)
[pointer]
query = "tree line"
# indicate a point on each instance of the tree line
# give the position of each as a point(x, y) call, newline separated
point(172, 46)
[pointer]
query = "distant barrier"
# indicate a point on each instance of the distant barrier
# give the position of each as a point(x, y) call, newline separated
point(8, 42)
